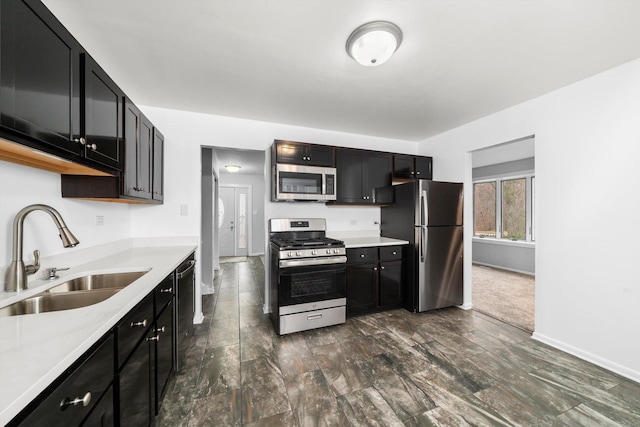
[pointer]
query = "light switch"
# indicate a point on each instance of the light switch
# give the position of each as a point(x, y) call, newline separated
point(184, 210)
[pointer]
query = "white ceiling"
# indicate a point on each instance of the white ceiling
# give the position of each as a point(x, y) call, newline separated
point(284, 60)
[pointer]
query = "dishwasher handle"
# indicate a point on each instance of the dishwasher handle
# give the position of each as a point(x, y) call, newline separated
point(183, 273)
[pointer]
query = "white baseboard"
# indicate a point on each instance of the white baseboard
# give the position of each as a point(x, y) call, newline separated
point(589, 357)
point(466, 306)
point(499, 267)
point(198, 318)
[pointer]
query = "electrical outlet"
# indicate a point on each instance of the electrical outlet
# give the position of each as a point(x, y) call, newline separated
point(353, 222)
point(99, 220)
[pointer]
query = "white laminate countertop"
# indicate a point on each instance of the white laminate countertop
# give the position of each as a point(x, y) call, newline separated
point(364, 242)
point(36, 348)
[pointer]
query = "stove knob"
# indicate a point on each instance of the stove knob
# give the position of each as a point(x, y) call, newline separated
point(289, 254)
point(298, 253)
point(335, 251)
point(314, 252)
point(328, 251)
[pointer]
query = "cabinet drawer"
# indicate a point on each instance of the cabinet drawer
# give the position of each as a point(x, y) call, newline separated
point(359, 255)
point(133, 327)
point(87, 381)
point(390, 253)
point(164, 293)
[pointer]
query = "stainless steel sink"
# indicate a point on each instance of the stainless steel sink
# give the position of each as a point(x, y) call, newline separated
point(45, 302)
point(74, 293)
point(98, 281)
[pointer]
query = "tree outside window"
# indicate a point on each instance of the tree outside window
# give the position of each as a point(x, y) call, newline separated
point(484, 209)
point(514, 214)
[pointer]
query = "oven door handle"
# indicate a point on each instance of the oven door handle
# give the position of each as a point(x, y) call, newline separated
point(313, 261)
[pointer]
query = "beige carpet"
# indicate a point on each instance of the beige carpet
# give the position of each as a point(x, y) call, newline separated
point(504, 295)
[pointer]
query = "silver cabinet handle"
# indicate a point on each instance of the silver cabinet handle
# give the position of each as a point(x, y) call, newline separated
point(361, 255)
point(314, 316)
point(394, 253)
point(93, 147)
point(143, 323)
point(375, 268)
point(418, 173)
point(80, 140)
point(156, 338)
point(160, 329)
point(85, 400)
point(382, 268)
point(166, 291)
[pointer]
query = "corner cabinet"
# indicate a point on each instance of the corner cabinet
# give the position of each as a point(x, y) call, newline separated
point(142, 177)
point(374, 279)
point(406, 167)
point(363, 177)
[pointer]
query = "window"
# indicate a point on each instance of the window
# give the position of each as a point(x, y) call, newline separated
point(484, 209)
point(503, 208)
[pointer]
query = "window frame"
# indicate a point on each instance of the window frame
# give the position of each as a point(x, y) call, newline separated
point(529, 177)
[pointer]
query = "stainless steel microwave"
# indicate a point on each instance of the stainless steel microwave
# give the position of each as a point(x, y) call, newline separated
point(311, 183)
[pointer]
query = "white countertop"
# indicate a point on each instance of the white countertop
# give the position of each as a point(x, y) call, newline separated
point(36, 348)
point(364, 242)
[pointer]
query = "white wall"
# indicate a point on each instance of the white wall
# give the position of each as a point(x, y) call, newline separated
point(21, 186)
point(587, 200)
point(185, 132)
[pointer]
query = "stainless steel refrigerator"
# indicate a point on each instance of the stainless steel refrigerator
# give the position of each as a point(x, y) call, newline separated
point(429, 215)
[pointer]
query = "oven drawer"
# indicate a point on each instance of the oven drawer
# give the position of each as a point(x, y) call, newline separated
point(312, 319)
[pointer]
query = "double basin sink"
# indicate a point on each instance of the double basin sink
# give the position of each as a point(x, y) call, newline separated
point(74, 293)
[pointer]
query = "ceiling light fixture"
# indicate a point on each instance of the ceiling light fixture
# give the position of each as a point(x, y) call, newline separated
point(232, 168)
point(373, 43)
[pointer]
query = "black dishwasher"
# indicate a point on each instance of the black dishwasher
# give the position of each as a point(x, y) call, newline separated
point(185, 285)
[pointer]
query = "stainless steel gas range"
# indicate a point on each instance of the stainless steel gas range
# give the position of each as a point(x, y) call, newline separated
point(308, 275)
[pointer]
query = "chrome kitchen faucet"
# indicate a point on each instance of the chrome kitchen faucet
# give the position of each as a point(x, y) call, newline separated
point(16, 275)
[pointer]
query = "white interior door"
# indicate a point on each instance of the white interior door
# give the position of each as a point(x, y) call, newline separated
point(233, 219)
point(226, 221)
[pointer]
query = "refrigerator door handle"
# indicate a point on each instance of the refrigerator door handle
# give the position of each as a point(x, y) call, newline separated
point(423, 208)
point(422, 242)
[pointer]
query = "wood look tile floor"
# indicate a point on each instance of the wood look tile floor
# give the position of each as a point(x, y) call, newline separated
point(449, 367)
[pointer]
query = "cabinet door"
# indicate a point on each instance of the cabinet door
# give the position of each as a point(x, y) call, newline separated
point(403, 166)
point(39, 77)
point(101, 114)
point(164, 352)
point(145, 155)
point(135, 388)
point(377, 174)
point(102, 414)
point(362, 285)
point(87, 379)
point(157, 162)
point(349, 176)
point(184, 308)
point(423, 167)
point(320, 155)
point(390, 293)
point(291, 152)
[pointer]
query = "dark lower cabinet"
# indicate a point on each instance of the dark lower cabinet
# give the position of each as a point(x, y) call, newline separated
point(122, 379)
point(135, 404)
point(362, 283)
point(102, 414)
point(73, 396)
point(374, 279)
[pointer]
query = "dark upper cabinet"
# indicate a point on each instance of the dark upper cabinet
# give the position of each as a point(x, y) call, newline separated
point(101, 115)
point(40, 79)
point(138, 138)
point(360, 174)
point(412, 167)
point(300, 153)
point(157, 185)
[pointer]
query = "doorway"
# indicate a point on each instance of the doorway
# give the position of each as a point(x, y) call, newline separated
point(234, 203)
point(502, 186)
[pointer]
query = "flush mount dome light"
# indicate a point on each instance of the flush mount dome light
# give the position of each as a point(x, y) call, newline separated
point(373, 43)
point(232, 168)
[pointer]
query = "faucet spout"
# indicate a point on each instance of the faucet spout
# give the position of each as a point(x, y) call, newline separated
point(16, 275)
